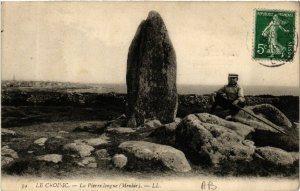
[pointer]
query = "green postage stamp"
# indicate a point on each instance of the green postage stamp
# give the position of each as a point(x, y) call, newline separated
point(274, 35)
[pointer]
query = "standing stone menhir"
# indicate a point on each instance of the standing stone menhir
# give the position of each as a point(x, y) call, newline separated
point(151, 74)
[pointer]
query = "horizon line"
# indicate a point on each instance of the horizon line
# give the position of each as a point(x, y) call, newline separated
point(120, 83)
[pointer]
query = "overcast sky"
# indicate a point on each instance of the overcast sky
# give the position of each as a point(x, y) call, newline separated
point(89, 41)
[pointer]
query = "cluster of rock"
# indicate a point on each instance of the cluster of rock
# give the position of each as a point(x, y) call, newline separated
point(199, 139)
point(239, 146)
point(212, 142)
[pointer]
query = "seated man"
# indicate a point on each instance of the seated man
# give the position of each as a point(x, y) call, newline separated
point(229, 96)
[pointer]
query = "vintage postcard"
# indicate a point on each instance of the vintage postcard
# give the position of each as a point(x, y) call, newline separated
point(149, 96)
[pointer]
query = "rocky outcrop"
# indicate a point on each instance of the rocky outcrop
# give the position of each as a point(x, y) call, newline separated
point(55, 144)
point(8, 152)
point(151, 74)
point(80, 149)
point(88, 162)
point(102, 140)
point(7, 132)
point(102, 157)
point(264, 134)
point(6, 161)
point(165, 134)
point(8, 156)
point(274, 156)
point(203, 138)
point(121, 121)
point(120, 130)
point(119, 160)
point(54, 158)
point(239, 128)
point(153, 124)
point(268, 112)
point(144, 155)
point(270, 161)
point(92, 127)
point(40, 141)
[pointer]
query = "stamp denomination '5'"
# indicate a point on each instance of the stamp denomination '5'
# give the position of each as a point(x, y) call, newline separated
point(274, 35)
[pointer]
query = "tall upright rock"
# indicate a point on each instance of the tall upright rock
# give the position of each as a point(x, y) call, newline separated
point(151, 74)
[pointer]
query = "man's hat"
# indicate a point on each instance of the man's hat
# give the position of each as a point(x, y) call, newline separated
point(233, 75)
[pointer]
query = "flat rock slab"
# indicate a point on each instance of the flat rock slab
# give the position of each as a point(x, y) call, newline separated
point(63, 132)
point(207, 141)
point(102, 153)
point(7, 132)
point(55, 144)
point(120, 130)
point(6, 161)
point(264, 134)
point(80, 149)
point(267, 112)
point(165, 134)
point(8, 152)
point(55, 158)
point(153, 124)
point(169, 157)
point(88, 162)
point(92, 127)
point(275, 156)
point(119, 160)
point(239, 128)
point(102, 140)
point(102, 157)
point(40, 141)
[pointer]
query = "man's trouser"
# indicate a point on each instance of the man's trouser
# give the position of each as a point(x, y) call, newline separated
point(226, 104)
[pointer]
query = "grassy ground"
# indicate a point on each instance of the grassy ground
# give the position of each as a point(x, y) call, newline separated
point(27, 166)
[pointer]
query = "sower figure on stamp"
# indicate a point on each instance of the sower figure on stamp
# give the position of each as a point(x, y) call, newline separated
point(230, 96)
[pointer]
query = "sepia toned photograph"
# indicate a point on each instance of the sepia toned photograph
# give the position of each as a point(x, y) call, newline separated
point(149, 96)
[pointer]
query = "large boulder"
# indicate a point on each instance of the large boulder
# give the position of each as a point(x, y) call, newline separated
point(92, 127)
point(267, 112)
point(41, 141)
point(54, 158)
point(119, 160)
point(8, 156)
point(211, 144)
point(151, 74)
point(273, 114)
point(270, 160)
point(145, 155)
point(55, 144)
point(275, 156)
point(88, 162)
point(153, 124)
point(101, 140)
point(102, 157)
point(265, 135)
point(120, 130)
point(7, 132)
point(81, 149)
point(7, 135)
point(6, 161)
point(8, 152)
point(241, 129)
point(165, 134)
